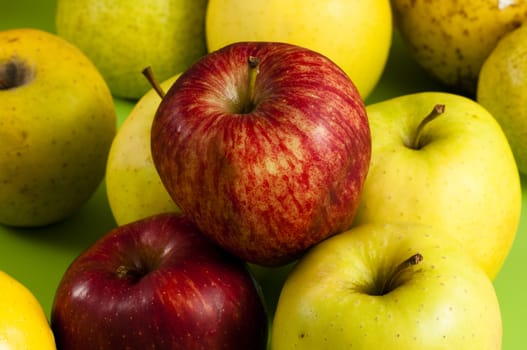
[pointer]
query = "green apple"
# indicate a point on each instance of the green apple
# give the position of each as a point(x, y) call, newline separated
point(387, 286)
point(133, 186)
point(502, 89)
point(453, 169)
point(122, 37)
point(451, 39)
point(354, 34)
point(58, 121)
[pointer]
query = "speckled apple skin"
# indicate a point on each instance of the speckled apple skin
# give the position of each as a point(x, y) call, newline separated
point(451, 39)
point(356, 35)
point(133, 186)
point(123, 37)
point(345, 293)
point(55, 130)
point(502, 89)
point(463, 179)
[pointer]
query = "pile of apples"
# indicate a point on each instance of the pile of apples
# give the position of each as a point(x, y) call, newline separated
point(256, 156)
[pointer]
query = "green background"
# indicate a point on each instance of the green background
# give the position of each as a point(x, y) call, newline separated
point(39, 257)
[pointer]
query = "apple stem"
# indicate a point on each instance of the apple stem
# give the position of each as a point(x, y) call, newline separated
point(121, 271)
point(149, 74)
point(253, 63)
point(411, 261)
point(436, 111)
point(404, 266)
point(133, 273)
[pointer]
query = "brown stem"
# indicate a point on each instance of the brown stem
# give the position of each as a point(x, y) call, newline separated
point(411, 261)
point(436, 111)
point(402, 267)
point(121, 271)
point(149, 74)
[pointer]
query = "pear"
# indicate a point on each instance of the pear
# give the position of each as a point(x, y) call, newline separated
point(451, 39)
point(502, 89)
point(122, 37)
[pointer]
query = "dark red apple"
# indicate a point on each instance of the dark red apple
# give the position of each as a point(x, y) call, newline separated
point(158, 283)
point(265, 146)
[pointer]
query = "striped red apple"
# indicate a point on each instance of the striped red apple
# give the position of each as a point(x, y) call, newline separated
point(265, 146)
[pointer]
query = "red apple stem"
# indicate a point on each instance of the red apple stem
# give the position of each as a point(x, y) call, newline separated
point(253, 63)
point(149, 74)
point(436, 111)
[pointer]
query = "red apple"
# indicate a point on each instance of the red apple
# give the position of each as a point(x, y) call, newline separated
point(158, 283)
point(265, 146)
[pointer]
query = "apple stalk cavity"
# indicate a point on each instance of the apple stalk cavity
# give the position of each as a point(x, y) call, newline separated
point(14, 73)
point(133, 272)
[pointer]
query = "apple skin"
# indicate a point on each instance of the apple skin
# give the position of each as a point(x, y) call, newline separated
point(133, 186)
point(122, 37)
point(23, 323)
point(451, 39)
point(356, 35)
point(158, 283)
point(345, 293)
point(267, 176)
point(502, 89)
point(55, 130)
point(463, 179)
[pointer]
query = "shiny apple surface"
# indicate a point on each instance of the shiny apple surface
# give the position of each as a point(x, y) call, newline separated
point(39, 257)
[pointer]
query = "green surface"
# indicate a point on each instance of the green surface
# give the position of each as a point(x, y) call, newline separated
point(39, 257)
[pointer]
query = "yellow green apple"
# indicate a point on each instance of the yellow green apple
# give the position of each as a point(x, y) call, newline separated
point(133, 186)
point(451, 168)
point(58, 121)
point(502, 89)
point(451, 39)
point(23, 323)
point(354, 34)
point(387, 286)
point(122, 37)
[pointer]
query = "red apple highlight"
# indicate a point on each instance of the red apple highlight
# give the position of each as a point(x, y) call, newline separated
point(158, 283)
point(265, 147)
